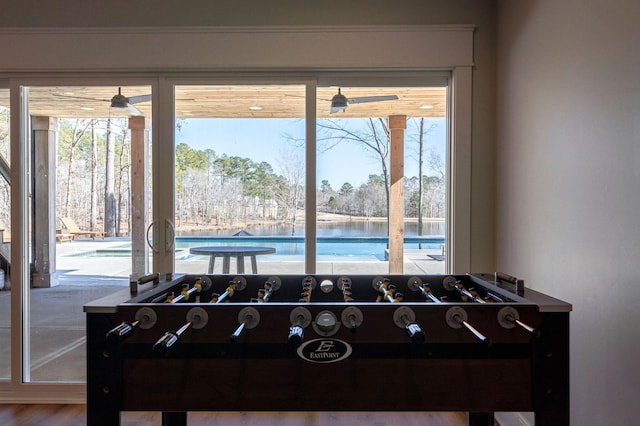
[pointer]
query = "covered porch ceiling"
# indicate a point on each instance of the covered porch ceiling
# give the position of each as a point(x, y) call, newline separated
point(235, 101)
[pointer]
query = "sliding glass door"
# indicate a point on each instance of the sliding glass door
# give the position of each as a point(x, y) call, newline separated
point(243, 176)
point(5, 236)
point(87, 171)
point(265, 177)
point(240, 178)
point(381, 175)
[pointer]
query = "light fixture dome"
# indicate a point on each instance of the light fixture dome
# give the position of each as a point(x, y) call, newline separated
point(338, 102)
point(119, 101)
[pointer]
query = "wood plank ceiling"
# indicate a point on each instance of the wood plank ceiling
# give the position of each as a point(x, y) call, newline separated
point(235, 101)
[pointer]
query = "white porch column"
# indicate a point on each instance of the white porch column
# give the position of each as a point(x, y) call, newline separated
point(139, 196)
point(44, 201)
point(397, 125)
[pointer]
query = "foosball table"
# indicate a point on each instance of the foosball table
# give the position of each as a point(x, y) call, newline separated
point(479, 343)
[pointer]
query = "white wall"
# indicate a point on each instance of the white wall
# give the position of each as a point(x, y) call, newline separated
point(568, 193)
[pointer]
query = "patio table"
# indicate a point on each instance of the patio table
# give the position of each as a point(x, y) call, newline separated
point(226, 252)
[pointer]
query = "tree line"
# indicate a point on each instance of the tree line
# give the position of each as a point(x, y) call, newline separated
point(217, 190)
point(93, 174)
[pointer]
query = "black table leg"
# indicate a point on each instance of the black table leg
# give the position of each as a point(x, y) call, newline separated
point(174, 418)
point(481, 419)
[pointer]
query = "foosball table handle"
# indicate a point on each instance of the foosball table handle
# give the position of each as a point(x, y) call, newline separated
point(300, 318)
point(166, 342)
point(296, 335)
point(405, 318)
point(121, 332)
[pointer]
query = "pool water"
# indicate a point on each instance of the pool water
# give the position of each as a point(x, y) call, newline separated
point(291, 247)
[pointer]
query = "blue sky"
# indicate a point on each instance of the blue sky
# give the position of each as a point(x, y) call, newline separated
point(271, 140)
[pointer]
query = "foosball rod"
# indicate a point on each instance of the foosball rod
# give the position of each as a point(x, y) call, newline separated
point(169, 339)
point(387, 290)
point(187, 292)
point(196, 318)
point(508, 317)
point(271, 285)
point(133, 285)
point(456, 317)
point(236, 284)
point(415, 284)
point(248, 318)
point(460, 288)
point(145, 318)
point(451, 284)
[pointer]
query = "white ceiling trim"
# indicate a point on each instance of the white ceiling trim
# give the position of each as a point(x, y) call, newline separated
point(228, 48)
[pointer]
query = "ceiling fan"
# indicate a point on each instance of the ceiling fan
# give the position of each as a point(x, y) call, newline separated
point(339, 102)
point(118, 101)
point(121, 102)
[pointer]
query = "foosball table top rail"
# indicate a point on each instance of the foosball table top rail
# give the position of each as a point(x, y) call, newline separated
point(328, 288)
point(362, 289)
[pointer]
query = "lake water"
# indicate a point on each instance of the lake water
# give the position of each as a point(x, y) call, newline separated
point(335, 240)
point(341, 241)
point(334, 229)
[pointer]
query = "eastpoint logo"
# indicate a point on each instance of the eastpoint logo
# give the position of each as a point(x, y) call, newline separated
point(324, 351)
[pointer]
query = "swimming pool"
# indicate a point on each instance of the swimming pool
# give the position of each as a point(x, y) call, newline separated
point(347, 247)
point(290, 247)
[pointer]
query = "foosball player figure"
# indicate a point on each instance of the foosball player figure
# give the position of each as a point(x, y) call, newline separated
point(197, 288)
point(347, 296)
point(307, 286)
point(387, 293)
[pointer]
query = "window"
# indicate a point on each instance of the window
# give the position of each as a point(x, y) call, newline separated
point(239, 176)
point(357, 196)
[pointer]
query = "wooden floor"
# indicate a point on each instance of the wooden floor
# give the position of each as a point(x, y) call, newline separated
point(72, 415)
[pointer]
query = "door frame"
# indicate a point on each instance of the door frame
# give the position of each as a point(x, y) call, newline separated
point(201, 51)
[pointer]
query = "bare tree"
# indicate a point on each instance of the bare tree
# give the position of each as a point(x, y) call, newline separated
point(291, 195)
point(79, 128)
point(109, 184)
point(123, 185)
point(94, 177)
point(374, 137)
point(421, 142)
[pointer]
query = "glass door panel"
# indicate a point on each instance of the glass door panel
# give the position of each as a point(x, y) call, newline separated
point(355, 175)
point(5, 238)
point(84, 142)
point(425, 192)
point(240, 168)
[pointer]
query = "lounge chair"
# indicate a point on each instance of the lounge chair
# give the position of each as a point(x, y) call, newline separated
point(5, 247)
point(73, 229)
point(61, 237)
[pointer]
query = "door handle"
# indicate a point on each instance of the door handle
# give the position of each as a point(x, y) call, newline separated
point(170, 235)
point(152, 245)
